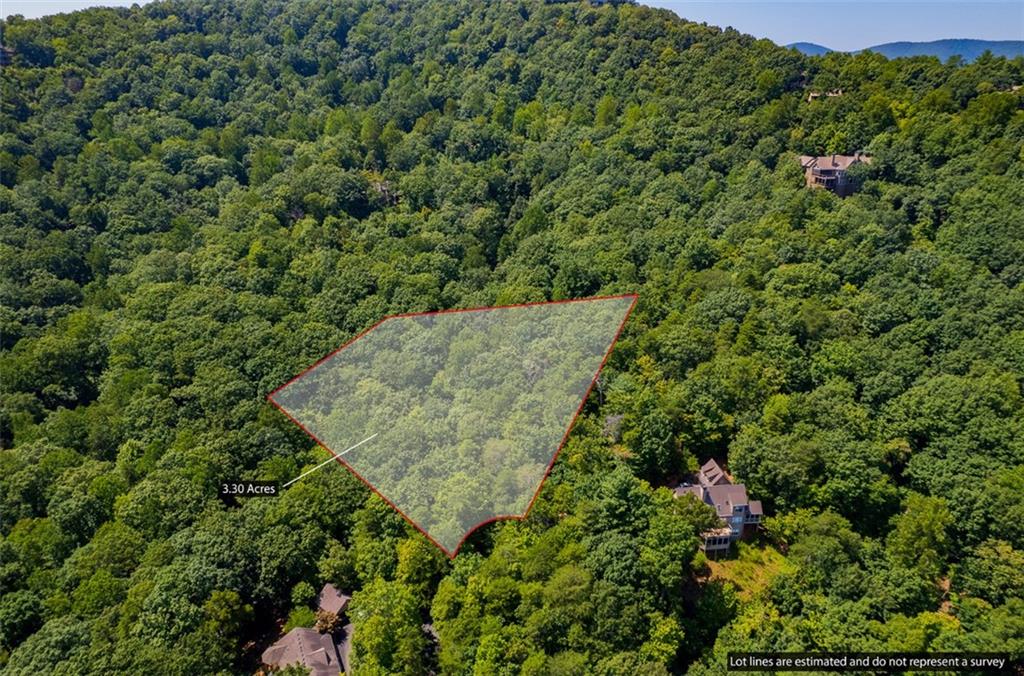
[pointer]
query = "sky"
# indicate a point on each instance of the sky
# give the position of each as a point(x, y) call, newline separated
point(856, 24)
point(844, 25)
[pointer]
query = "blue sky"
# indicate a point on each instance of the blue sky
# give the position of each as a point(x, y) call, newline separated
point(848, 24)
point(854, 24)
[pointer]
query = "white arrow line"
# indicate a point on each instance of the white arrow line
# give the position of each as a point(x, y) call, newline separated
point(328, 461)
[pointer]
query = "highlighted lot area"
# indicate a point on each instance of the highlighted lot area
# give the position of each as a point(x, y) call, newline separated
point(455, 418)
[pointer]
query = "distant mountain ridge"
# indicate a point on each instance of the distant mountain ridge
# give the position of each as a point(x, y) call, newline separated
point(968, 49)
point(810, 48)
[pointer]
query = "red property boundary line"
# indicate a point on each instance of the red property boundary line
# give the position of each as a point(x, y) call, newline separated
point(554, 458)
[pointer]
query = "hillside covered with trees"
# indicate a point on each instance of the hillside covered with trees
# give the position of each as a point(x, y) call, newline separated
point(200, 199)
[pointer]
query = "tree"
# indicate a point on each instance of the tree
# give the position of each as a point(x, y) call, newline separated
point(650, 436)
point(226, 617)
point(920, 538)
point(21, 614)
point(664, 642)
point(99, 592)
point(994, 572)
point(389, 637)
point(605, 112)
point(264, 164)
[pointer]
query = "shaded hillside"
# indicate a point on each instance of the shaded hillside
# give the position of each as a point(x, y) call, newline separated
point(810, 48)
point(968, 50)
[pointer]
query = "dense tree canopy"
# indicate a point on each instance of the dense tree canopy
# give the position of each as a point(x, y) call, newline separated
point(199, 199)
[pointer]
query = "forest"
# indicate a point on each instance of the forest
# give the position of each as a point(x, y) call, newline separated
point(199, 199)
point(464, 411)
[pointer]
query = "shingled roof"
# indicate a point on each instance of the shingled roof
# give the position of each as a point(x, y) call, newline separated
point(345, 649)
point(332, 600)
point(836, 162)
point(714, 487)
point(308, 648)
point(712, 474)
point(725, 497)
point(689, 489)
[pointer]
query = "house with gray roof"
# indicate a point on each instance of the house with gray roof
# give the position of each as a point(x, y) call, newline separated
point(345, 649)
point(308, 648)
point(739, 515)
point(332, 600)
point(324, 654)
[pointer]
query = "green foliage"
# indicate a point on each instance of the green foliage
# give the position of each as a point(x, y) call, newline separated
point(100, 591)
point(919, 537)
point(301, 616)
point(994, 572)
point(303, 594)
point(650, 436)
point(20, 615)
point(197, 200)
point(389, 638)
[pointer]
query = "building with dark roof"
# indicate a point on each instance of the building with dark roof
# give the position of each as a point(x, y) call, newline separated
point(324, 654)
point(345, 649)
point(711, 474)
point(830, 171)
point(307, 648)
point(332, 600)
point(739, 515)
